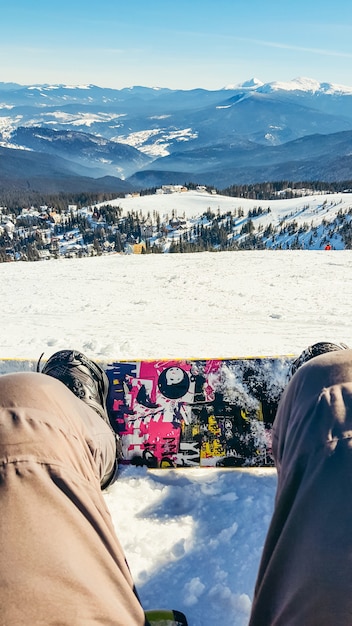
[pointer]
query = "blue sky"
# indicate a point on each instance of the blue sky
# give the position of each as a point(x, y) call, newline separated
point(180, 44)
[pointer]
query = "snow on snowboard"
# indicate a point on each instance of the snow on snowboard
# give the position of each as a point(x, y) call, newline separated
point(187, 413)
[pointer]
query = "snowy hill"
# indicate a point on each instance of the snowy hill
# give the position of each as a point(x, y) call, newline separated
point(308, 222)
point(179, 221)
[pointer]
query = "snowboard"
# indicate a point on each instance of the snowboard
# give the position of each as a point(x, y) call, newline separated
point(197, 412)
point(192, 412)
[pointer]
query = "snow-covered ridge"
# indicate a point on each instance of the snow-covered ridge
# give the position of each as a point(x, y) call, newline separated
point(307, 85)
point(252, 83)
point(61, 86)
point(300, 83)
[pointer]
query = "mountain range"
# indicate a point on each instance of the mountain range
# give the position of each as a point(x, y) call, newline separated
point(86, 138)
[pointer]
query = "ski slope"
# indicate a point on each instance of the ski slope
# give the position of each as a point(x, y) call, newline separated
point(298, 217)
point(193, 537)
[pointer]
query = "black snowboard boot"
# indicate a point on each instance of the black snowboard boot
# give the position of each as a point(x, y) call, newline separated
point(83, 377)
point(314, 350)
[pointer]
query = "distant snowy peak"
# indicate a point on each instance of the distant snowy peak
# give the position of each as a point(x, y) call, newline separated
point(300, 84)
point(144, 88)
point(307, 85)
point(297, 84)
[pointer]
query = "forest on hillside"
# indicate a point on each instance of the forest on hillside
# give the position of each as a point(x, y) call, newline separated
point(37, 235)
point(18, 199)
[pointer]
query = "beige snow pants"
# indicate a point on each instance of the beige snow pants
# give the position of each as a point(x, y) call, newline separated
point(305, 576)
point(60, 560)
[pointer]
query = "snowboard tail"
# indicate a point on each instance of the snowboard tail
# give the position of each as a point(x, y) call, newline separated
point(163, 617)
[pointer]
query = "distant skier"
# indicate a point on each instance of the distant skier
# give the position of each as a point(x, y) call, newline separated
point(328, 246)
point(60, 559)
point(305, 575)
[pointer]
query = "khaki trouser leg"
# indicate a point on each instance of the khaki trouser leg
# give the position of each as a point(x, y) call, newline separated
point(305, 576)
point(60, 559)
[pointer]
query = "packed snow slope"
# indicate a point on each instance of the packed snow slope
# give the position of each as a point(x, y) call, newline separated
point(193, 537)
point(188, 305)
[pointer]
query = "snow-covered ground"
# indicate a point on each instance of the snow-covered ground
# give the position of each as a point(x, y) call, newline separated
point(193, 537)
point(188, 305)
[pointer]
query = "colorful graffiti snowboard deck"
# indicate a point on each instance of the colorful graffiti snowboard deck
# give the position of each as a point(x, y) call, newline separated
point(187, 413)
point(194, 412)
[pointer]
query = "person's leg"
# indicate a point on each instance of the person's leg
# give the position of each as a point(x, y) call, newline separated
point(60, 559)
point(88, 382)
point(305, 576)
